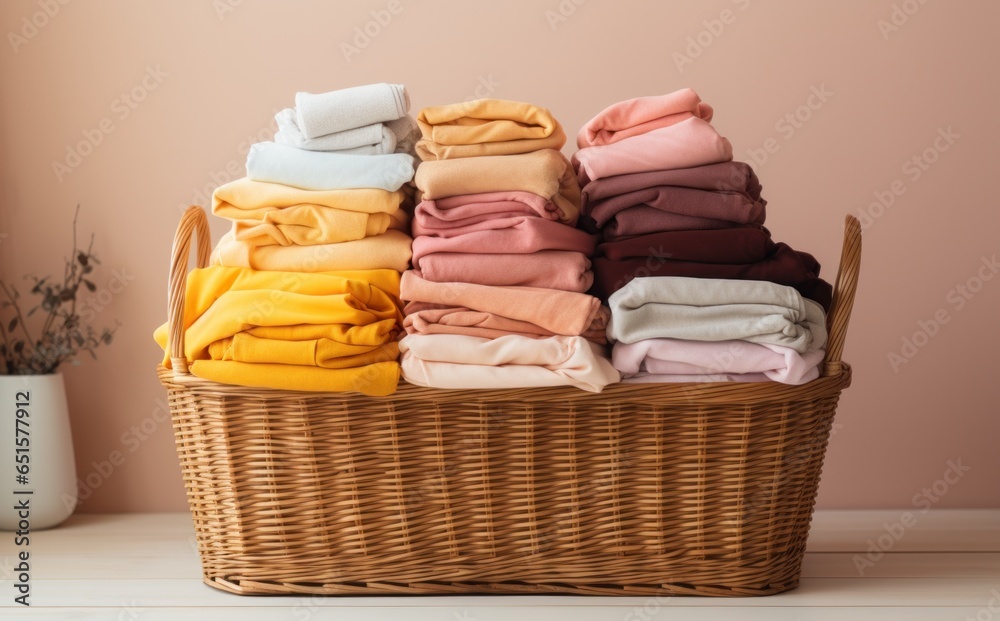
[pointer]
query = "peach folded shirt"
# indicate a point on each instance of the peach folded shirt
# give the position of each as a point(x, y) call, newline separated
point(641, 115)
point(692, 142)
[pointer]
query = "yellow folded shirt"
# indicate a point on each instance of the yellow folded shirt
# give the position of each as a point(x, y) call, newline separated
point(307, 225)
point(375, 380)
point(486, 127)
point(390, 250)
point(321, 352)
point(223, 301)
point(271, 213)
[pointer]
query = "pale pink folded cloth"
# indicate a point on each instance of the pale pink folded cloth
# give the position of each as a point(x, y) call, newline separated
point(557, 312)
point(469, 362)
point(692, 142)
point(548, 269)
point(524, 236)
point(640, 115)
point(679, 360)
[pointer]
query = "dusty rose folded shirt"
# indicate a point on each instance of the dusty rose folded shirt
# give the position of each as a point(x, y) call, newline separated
point(525, 236)
point(435, 216)
point(692, 142)
point(678, 360)
point(557, 312)
point(640, 115)
point(728, 192)
point(547, 269)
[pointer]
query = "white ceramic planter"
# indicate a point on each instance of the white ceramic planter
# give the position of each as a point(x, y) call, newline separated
point(36, 452)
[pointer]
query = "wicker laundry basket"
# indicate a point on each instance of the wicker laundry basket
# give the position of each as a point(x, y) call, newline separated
point(686, 489)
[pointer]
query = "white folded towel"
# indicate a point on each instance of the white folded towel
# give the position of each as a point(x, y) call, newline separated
point(708, 309)
point(336, 111)
point(397, 136)
point(314, 170)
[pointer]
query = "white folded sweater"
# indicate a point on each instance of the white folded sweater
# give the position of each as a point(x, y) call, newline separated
point(706, 309)
point(398, 136)
point(315, 170)
point(336, 111)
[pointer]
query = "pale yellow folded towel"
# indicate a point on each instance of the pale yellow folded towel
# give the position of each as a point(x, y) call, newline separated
point(390, 250)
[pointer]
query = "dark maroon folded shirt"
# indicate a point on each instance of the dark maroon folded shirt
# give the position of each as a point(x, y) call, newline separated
point(727, 192)
point(738, 244)
point(783, 266)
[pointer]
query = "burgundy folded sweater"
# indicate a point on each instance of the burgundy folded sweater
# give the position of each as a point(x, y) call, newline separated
point(783, 266)
point(740, 244)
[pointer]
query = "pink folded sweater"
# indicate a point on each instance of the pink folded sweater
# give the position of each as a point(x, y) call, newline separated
point(678, 360)
point(640, 115)
point(432, 216)
point(524, 236)
point(692, 142)
point(547, 269)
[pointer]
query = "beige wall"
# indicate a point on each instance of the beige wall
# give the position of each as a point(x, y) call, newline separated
point(210, 74)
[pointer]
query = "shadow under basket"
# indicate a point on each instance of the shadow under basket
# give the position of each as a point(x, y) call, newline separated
point(651, 489)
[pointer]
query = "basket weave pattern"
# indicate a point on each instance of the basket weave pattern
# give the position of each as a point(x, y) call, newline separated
point(690, 489)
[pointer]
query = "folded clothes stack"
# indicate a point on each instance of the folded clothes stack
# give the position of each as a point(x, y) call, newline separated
point(496, 295)
point(662, 191)
point(311, 265)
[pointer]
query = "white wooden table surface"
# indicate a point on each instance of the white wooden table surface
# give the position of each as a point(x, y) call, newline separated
point(145, 567)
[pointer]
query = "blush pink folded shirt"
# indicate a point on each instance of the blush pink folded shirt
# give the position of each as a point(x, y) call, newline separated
point(640, 115)
point(692, 142)
point(463, 206)
point(468, 362)
point(679, 360)
point(547, 269)
point(527, 235)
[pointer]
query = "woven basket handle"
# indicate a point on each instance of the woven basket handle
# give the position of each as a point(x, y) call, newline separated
point(843, 295)
point(194, 220)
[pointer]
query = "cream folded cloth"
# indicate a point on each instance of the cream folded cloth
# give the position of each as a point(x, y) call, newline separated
point(390, 250)
point(708, 309)
point(692, 142)
point(486, 127)
point(546, 173)
point(677, 360)
point(469, 362)
point(397, 136)
point(348, 108)
point(315, 170)
point(264, 214)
